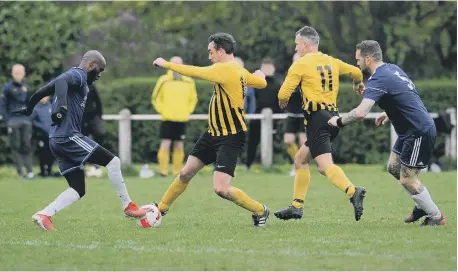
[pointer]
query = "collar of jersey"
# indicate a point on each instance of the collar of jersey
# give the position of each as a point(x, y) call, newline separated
point(375, 70)
point(313, 54)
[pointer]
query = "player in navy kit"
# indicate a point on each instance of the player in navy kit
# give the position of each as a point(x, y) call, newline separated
point(70, 148)
point(390, 87)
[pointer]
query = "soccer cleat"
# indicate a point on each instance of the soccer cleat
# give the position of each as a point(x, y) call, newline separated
point(417, 213)
point(132, 210)
point(260, 220)
point(162, 213)
point(434, 222)
point(43, 221)
point(290, 213)
point(357, 201)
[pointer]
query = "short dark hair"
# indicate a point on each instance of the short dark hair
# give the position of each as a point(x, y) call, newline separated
point(267, 61)
point(224, 41)
point(370, 48)
point(310, 34)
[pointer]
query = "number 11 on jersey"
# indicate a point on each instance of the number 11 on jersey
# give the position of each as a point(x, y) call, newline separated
point(323, 78)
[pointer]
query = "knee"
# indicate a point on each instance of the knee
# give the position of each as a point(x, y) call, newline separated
point(81, 190)
point(322, 170)
point(185, 175)
point(394, 170)
point(301, 163)
point(115, 163)
point(222, 191)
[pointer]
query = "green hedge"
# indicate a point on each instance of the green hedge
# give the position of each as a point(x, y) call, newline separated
point(358, 143)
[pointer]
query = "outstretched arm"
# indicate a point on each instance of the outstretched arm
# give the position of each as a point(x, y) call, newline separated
point(44, 91)
point(354, 115)
point(215, 73)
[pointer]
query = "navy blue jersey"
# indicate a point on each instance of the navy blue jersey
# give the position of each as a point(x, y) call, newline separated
point(394, 92)
point(76, 101)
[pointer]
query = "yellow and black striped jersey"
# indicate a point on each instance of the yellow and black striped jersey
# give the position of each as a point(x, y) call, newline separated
point(317, 75)
point(225, 112)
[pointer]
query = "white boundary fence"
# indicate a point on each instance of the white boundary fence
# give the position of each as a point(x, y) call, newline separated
point(125, 132)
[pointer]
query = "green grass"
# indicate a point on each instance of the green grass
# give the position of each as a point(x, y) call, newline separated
point(204, 232)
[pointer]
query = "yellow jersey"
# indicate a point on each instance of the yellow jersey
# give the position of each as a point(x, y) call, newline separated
point(225, 111)
point(317, 75)
point(165, 93)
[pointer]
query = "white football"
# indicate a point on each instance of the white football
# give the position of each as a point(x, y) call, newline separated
point(152, 219)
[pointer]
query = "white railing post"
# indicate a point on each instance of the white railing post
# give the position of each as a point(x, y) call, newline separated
point(393, 136)
point(125, 137)
point(450, 141)
point(266, 137)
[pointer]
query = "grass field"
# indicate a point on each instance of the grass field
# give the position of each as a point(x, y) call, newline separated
point(204, 232)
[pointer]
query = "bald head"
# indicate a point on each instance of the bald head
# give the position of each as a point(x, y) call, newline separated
point(94, 64)
point(94, 56)
point(18, 72)
point(176, 60)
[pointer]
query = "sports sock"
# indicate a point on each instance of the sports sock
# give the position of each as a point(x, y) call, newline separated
point(163, 159)
point(405, 189)
point(243, 200)
point(175, 190)
point(337, 176)
point(177, 158)
point(65, 199)
point(301, 184)
point(115, 176)
point(425, 202)
point(292, 150)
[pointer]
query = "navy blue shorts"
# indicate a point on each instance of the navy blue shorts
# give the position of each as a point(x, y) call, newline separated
point(71, 152)
point(415, 149)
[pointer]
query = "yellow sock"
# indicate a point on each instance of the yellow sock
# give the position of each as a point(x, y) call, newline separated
point(243, 200)
point(292, 150)
point(163, 159)
point(340, 180)
point(301, 184)
point(175, 190)
point(177, 160)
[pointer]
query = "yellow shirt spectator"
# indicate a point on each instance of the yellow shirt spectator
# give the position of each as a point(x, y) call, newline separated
point(174, 98)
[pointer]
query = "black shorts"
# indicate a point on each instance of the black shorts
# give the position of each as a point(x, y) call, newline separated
point(175, 131)
point(224, 150)
point(415, 149)
point(295, 125)
point(319, 133)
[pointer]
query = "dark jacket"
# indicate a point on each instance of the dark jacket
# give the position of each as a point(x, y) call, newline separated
point(14, 95)
point(268, 97)
point(41, 117)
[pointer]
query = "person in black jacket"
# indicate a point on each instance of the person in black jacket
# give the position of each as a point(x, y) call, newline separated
point(265, 98)
point(93, 123)
point(14, 95)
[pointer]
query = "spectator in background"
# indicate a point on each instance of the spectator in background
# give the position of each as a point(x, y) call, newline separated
point(265, 98)
point(41, 120)
point(14, 95)
point(174, 98)
point(294, 124)
point(93, 124)
point(250, 99)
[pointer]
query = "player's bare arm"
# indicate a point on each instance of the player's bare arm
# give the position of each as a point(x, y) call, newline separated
point(354, 115)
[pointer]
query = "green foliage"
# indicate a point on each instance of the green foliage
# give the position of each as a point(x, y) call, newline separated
point(358, 143)
point(419, 36)
point(40, 35)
